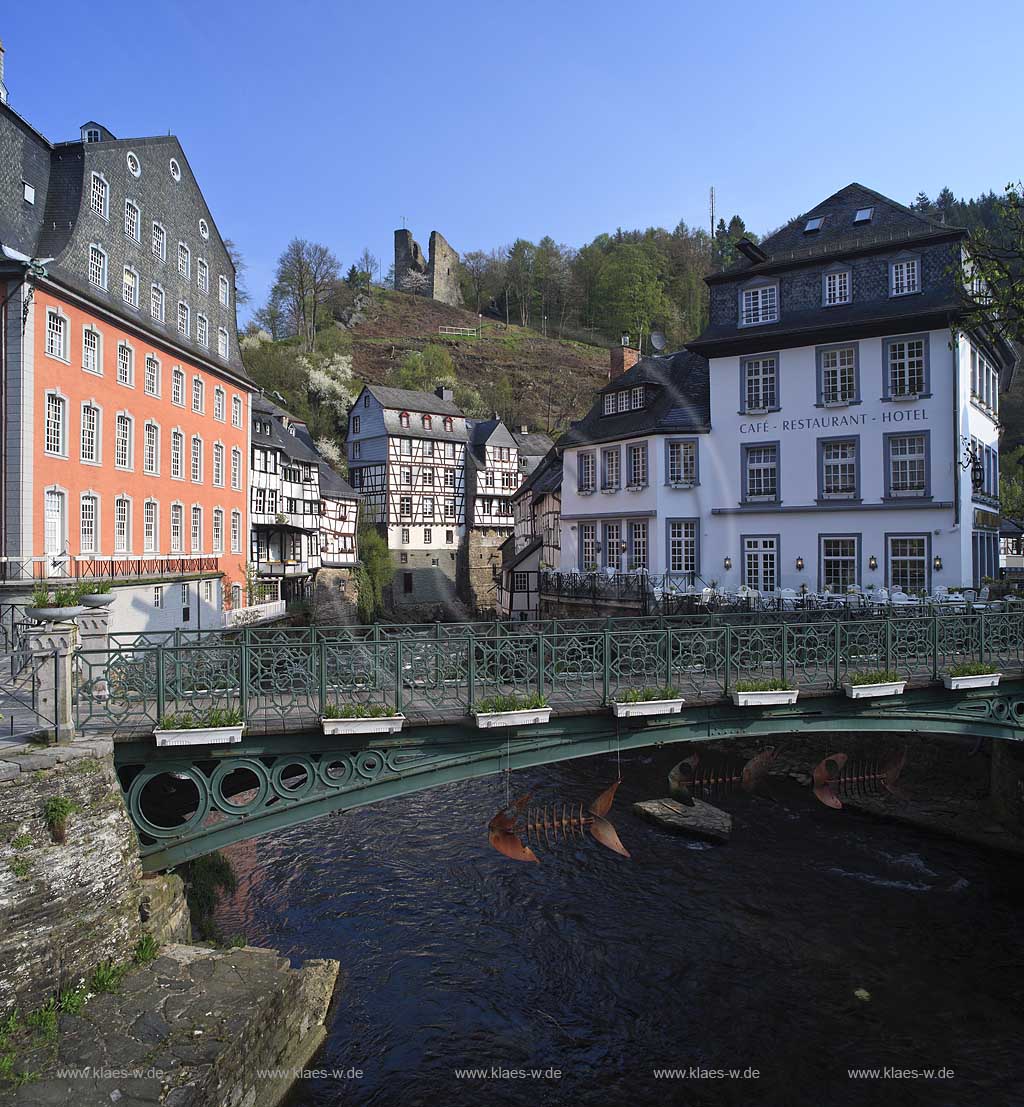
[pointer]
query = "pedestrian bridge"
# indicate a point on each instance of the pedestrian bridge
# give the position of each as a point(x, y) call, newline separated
point(187, 801)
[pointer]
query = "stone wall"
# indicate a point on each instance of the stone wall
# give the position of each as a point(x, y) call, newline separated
point(65, 907)
point(482, 560)
point(425, 582)
point(335, 596)
point(436, 277)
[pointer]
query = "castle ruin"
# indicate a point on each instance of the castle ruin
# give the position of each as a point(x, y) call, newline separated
point(436, 277)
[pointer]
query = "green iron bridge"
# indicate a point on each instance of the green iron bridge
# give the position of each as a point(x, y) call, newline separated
point(187, 801)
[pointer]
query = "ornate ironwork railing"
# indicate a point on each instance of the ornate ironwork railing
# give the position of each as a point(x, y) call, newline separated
point(61, 567)
point(283, 678)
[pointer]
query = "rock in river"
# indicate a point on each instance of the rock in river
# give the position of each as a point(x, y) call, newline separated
point(701, 820)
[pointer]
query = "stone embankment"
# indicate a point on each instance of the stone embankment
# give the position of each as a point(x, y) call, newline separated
point(79, 986)
point(197, 1027)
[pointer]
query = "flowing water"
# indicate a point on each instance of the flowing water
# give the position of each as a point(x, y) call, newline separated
point(737, 957)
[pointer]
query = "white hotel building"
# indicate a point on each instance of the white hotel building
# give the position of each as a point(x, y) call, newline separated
point(842, 430)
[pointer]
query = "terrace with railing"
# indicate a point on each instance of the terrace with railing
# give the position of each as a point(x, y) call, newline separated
point(57, 567)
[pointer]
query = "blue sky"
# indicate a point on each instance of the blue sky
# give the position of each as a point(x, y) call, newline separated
point(334, 121)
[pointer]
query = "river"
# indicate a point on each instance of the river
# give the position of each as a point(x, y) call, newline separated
point(747, 956)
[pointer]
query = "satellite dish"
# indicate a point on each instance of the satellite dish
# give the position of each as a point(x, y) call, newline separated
point(658, 341)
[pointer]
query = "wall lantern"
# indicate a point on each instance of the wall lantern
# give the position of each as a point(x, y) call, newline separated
point(972, 460)
point(799, 564)
point(937, 564)
point(727, 563)
point(623, 546)
point(872, 563)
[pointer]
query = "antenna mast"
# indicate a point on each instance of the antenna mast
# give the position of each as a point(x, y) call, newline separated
point(711, 210)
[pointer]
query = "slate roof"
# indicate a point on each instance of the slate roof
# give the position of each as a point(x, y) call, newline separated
point(547, 477)
point(678, 401)
point(532, 443)
point(527, 551)
point(334, 486)
point(408, 399)
point(890, 223)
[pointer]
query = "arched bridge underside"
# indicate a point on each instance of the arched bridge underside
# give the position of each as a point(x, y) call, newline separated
point(185, 803)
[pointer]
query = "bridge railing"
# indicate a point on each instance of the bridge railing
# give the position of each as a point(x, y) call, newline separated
point(286, 683)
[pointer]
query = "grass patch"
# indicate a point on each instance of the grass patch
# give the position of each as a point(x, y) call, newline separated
point(107, 977)
point(972, 668)
point(83, 765)
point(876, 676)
point(22, 841)
point(21, 867)
point(147, 950)
point(645, 695)
point(775, 684)
point(213, 716)
point(511, 703)
point(358, 711)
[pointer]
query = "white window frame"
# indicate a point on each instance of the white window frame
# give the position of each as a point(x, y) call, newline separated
point(224, 291)
point(89, 547)
point(236, 468)
point(102, 192)
point(200, 407)
point(759, 305)
point(177, 532)
point(159, 241)
point(223, 343)
point(150, 534)
point(836, 288)
point(904, 276)
point(90, 406)
point(130, 288)
point(218, 464)
point(151, 459)
point(178, 386)
point(184, 261)
point(236, 411)
point(61, 333)
point(220, 404)
point(195, 529)
point(177, 454)
point(236, 531)
point(184, 319)
point(55, 424)
point(217, 532)
point(123, 536)
point(203, 331)
point(120, 419)
point(131, 208)
point(195, 459)
point(88, 329)
point(158, 303)
point(203, 276)
point(151, 362)
point(98, 256)
point(126, 363)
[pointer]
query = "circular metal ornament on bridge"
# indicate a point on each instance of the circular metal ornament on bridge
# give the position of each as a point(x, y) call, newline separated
point(335, 772)
point(292, 791)
point(154, 830)
point(225, 770)
point(369, 764)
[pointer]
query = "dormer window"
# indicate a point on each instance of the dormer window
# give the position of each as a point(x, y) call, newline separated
point(759, 305)
point(609, 403)
point(636, 398)
point(904, 277)
point(814, 224)
point(403, 419)
point(836, 287)
point(426, 422)
point(448, 423)
point(92, 134)
point(863, 215)
point(622, 400)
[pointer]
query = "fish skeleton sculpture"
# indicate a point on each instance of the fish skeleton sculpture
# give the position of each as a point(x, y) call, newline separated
point(715, 775)
point(836, 777)
point(506, 830)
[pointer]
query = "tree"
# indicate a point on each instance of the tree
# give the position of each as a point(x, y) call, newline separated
point(376, 571)
point(307, 273)
point(631, 292)
point(241, 287)
point(475, 267)
point(522, 257)
point(945, 201)
point(367, 263)
point(992, 280)
point(921, 203)
point(273, 317)
point(1011, 484)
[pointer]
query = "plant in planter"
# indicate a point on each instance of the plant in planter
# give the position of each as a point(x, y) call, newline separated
point(511, 710)
point(637, 702)
point(97, 594)
point(759, 693)
point(57, 606)
point(360, 718)
point(971, 674)
point(214, 726)
point(56, 812)
point(874, 682)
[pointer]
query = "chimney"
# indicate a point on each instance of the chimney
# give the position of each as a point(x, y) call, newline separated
point(3, 87)
point(524, 429)
point(623, 358)
point(444, 393)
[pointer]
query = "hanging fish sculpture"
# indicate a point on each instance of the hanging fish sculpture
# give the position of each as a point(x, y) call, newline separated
point(712, 775)
point(506, 830)
point(837, 778)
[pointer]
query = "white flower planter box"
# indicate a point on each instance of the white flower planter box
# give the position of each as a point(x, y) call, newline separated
point(870, 691)
point(380, 724)
point(200, 736)
point(485, 720)
point(980, 680)
point(647, 707)
point(765, 699)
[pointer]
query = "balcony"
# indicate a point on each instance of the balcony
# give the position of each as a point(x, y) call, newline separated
point(255, 613)
point(60, 567)
point(290, 568)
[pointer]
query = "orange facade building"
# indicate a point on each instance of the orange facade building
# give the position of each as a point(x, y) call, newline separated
point(126, 408)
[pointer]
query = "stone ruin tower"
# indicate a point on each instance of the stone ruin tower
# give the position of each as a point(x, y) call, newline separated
point(436, 277)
